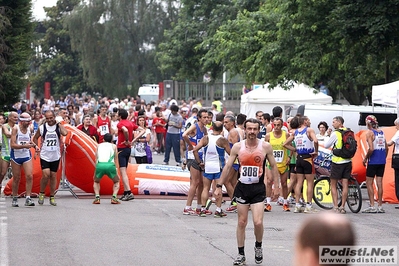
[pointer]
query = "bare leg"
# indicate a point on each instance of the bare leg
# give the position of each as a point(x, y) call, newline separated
point(370, 189)
point(242, 210)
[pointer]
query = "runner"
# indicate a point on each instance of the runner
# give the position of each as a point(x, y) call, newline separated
point(250, 189)
point(375, 159)
point(106, 164)
point(276, 138)
point(21, 157)
point(215, 146)
point(233, 136)
point(50, 154)
point(306, 147)
point(6, 147)
point(192, 136)
point(102, 123)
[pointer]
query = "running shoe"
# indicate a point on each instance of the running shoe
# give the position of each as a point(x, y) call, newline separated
point(52, 201)
point(115, 201)
point(122, 198)
point(286, 208)
point(268, 208)
point(128, 197)
point(96, 201)
point(189, 211)
point(41, 199)
point(232, 208)
point(298, 209)
point(380, 209)
point(202, 213)
point(240, 260)
point(258, 255)
point(310, 209)
point(207, 212)
point(302, 202)
point(370, 209)
point(219, 214)
point(14, 202)
point(29, 202)
point(280, 201)
point(291, 200)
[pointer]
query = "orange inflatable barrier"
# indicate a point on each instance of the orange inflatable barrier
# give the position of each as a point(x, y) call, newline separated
point(143, 179)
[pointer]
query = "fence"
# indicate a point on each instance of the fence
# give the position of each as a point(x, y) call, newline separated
point(208, 92)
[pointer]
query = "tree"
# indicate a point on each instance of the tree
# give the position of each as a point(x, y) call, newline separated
point(16, 35)
point(4, 49)
point(117, 41)
point(347, 45)
point(54, 61)
point(181, 53)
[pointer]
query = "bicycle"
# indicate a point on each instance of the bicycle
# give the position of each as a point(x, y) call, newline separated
point(323, 198)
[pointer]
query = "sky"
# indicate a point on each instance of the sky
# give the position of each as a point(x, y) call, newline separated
point(38, 12)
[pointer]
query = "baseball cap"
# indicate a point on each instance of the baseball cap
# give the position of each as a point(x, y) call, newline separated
point(371, 119)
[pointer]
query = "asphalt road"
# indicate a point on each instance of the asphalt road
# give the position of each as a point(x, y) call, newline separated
point(153, 231)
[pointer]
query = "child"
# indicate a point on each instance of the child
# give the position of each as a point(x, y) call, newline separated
point(106, 164)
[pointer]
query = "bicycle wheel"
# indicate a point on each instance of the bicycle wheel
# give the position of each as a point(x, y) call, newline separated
point(322, 193)
point(354, 199)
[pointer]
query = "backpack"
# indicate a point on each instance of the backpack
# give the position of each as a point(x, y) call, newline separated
point(349, 144)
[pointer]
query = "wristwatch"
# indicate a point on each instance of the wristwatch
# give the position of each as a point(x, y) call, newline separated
point(219, 185)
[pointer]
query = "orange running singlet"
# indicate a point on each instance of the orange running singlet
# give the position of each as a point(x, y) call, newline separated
point(251, 163)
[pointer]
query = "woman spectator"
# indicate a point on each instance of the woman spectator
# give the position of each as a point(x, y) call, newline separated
point(140, 146)
point(324, 133)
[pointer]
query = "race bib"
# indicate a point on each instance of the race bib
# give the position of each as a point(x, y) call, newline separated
point(104, 130)
point(278, 155)
point(249, 174)
point(50, 144)
point(22, 142)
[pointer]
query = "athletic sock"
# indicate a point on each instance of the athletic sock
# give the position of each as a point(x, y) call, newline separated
point(241, 251)
point(258, 244)
point(268, 200)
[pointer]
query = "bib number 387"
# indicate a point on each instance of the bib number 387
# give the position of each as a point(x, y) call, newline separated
point(249, 174)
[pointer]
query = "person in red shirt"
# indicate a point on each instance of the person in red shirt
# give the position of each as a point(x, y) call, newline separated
point(125, 141)
point(159, 123)
point(88, 128)
point(103, 123)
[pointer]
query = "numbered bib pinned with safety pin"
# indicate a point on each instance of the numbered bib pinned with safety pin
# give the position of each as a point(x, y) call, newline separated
point(249, 174)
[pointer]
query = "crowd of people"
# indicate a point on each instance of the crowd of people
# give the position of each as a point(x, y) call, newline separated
point(252, 157)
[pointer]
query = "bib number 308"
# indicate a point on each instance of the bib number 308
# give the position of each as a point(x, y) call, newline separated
point(249, 174)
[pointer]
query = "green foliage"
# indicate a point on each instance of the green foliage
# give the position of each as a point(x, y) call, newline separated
point(16, 35)
point(54, 61)
point(347, 45)
point(117, 40)
point(185, 45)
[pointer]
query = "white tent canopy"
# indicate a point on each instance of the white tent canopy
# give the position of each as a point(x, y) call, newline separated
point(265, 99)
point(385, 94)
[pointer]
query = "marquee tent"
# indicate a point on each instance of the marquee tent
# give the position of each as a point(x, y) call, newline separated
point(385, 94)
point(264, 99)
